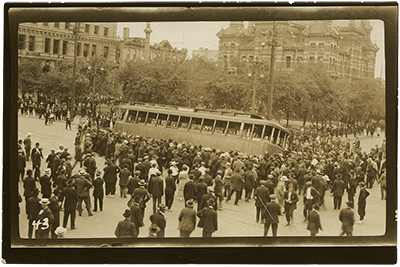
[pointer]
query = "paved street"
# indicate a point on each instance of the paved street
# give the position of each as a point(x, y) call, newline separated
point(232, 220)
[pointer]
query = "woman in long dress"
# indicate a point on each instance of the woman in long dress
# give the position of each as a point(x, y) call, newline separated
point(183, 179)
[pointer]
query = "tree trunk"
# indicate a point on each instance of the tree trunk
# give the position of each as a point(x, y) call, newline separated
point(304, 120)
point(287, 119)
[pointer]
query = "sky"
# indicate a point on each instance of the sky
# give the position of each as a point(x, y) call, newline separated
point(192, 35)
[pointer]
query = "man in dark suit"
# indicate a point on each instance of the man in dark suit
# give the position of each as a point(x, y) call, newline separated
point(33, 207)
point(90, 164)
point(201, 191)
point(82, 186)
point(208, 219)
point(310, 197)
point(204, 200)
point(110, 177)
point(338, 188)
point(36, 161)
point(170, 188)
point(346, 216)
point(156, 190)
point(158, 219)
point(237, 185)
point(314, 221)
point(140, 167)
point(71, 200)
point(261, 195)
point(21, 164)
point(187, 220)
point(29, 185)
point(190, 189)
point(133, 182)
point(56, 164)
point(98, 191)
point(136, 213)
point(126, 228)
point(291, 199)
point(143, 194)
point(45, 183)
point(273, 210)
point(196, 174)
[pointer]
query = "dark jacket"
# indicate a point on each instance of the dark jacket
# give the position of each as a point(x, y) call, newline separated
point(71, 198)
point(170, 185)
point(33, 207)
point(156, 187)
point(208, 219)
point(136, 216)
point(29, 184)
point(190, 190)
point(346, 216)
point(98, 190)
point(249, 180)
point(124, 177)
point(338, 187)
point(187, 219)
point(237, 181)
point(204, 200)
point(45, 182)
point(21, 162)
point(274, 210)
point(159, 219)
point(314, 222)
point(143, 194)
point(133, 183)
point(126, 229)
point(261, 195)
point(110, 173)
point(82, 186)
point(293, 198)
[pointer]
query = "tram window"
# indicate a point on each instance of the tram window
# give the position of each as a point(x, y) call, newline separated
point(257, 131)
point(172, 121)
point(196, 124)
point(131, 116)
point(184, 122)
point(220, 127)
point(141, 117)
point(151, 119)
point(162, 119)
point(234, 128)
point(268, 132)
point(281, 138)
point(208, 125)
point(275, 138)
point(247, 130)
point(120, 114)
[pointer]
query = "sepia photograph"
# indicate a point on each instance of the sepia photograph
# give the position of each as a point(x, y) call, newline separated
point(176, 127)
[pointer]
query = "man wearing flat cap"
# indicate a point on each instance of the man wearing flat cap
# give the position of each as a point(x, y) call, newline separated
point(187, 219)
point(126, 228)
point(208, 219)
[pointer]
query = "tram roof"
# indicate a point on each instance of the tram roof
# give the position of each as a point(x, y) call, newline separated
point(221, 114)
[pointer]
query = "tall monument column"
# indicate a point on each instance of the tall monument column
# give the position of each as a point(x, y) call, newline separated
point(147, 43)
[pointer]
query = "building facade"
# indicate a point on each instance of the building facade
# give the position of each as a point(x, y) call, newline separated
point(52, 41)
point(207, 54)
point(344, 47)
point(140, 48)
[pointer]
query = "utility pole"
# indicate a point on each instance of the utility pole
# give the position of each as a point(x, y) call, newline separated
point(75, 31)
point(271, 73)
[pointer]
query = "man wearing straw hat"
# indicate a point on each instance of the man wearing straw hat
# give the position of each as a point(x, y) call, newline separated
point(43, 220)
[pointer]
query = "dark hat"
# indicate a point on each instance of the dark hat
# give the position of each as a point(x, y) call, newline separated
point(98, 172)
point(190, 203)
point(350, 204)
point(162, 207)
point(210, 202)
point(127, 213)
point(202, 178)
point(191, 176)
point(35, 191)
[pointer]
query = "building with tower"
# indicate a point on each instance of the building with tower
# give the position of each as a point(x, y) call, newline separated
point(344, 46)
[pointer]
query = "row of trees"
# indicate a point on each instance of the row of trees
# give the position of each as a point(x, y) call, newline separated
point(305, 92)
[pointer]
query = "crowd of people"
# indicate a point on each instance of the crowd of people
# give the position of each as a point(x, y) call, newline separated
point(317, 161)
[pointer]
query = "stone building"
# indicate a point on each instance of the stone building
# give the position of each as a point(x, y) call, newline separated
point(206, 53)
point(52, 41)
point(344, 46)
